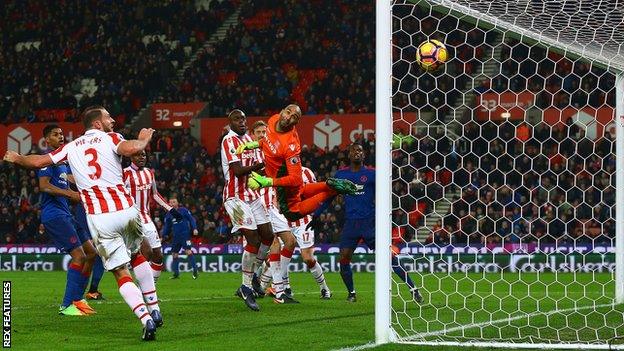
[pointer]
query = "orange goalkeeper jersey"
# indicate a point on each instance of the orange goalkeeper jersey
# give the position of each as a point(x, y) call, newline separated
point(281, 157)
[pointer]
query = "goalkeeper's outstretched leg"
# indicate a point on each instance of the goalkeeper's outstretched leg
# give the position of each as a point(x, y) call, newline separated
point(311, 196)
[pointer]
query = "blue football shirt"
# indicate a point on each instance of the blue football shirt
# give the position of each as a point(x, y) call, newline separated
point(55, 206)
point(362, 204)
point(181, 228)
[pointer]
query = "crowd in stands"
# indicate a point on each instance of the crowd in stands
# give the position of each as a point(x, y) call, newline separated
point(555, 187)
point(414, 89)
point(519, 68)
point(548, 184)
point(71, 53)
point(547, 73)
point(282, 51)
point(184, 169)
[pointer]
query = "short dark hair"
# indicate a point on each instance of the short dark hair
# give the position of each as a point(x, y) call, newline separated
point(91, 114)
point(236, 112)
point(49, 128)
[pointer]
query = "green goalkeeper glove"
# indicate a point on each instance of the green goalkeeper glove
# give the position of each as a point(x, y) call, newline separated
point(250, 145)
point(257, 181)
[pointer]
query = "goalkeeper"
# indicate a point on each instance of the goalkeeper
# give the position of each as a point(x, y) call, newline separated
point(281, 149)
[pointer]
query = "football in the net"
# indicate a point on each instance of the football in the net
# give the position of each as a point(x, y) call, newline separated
point(431, 54)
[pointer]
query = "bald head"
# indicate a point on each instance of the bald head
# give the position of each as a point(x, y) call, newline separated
point(295, 108)
point(289, 117)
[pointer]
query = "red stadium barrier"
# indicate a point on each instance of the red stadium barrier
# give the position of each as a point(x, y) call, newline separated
point(324, 131)
point(168, 115)
point(594, 121)
point(492, 105)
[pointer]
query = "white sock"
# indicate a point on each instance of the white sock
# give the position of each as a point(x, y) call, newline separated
point(156, 270)
point(248, 260)
point(132, 295)
point(145, 277)
point(317, 273)
point(265, 275)
point(263, 251)
point(286, 256)
point(276, 271)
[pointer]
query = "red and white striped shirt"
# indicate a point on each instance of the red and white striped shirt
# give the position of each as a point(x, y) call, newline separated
point(96, 167)
point(237, 186)
point(308, 177)
point(142, 186)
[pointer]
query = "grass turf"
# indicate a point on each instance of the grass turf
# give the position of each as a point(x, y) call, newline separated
point(204, 314)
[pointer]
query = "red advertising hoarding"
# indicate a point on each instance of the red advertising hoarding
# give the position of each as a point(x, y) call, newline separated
point(174, 115)
point(493, 105)
point(595, 121)
point(324, 131)
point(21, 137)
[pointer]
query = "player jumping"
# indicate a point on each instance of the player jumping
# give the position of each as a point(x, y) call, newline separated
point(141, 183)
point(62, 227)
point(281, 149)
point(279, 256)
point(114, 222)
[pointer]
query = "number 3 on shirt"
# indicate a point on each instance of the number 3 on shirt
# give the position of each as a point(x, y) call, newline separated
point(93, 163)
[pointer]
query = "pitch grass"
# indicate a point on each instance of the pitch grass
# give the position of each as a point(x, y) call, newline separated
point(531, 308)
point(203, 314)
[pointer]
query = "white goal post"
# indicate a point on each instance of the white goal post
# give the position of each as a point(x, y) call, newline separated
point(552, 278)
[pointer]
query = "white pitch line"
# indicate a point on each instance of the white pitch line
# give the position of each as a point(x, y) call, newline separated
point(356, 348)
point(478, 325)
point(504, 320)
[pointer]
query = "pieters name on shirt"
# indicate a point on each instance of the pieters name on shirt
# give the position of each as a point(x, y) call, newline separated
point(94, 140)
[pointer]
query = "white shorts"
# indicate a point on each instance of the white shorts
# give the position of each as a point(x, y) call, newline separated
point(116, 235)
point(151, 235)
point(305, 238)
point(278, 221)
point(246, 215)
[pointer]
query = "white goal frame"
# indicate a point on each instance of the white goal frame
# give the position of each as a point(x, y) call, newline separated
point(383, 118)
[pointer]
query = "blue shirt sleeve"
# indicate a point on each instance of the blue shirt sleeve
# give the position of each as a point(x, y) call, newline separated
point(190, 218)
point(167, 226)
point(45, 172)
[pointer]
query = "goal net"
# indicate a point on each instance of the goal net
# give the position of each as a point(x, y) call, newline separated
point(505, 207)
